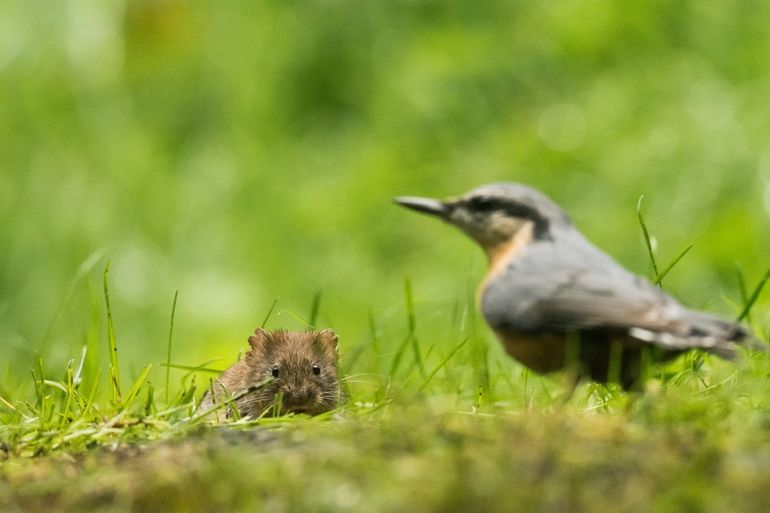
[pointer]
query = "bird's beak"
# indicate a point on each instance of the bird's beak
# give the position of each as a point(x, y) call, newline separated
point(425, 205)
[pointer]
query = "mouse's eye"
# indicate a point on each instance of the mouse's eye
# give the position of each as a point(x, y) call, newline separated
point(276, 371)
point(316, 370)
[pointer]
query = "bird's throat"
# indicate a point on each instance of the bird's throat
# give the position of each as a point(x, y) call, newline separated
point(499, 255)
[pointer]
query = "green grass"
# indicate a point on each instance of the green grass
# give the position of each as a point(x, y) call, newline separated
point(453, 425)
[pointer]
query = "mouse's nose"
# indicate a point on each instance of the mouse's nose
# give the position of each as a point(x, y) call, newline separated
point(297, 398)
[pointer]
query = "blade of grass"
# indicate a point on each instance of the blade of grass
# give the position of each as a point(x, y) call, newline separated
point(269, 313)
point(9, 405)
point(646, 235)
point(70, 394)
point(149, 403)
point(92, 394)
point(296, 317)
point(443, 363)
point(315, 307)
point(479, 348)
point(170, 338)
point(114, 372)
point(133, 392)
point(375, 336)
point(396, 363)
point(55, 384)
point(187, 394)
point(665, 271)
point(77, 378)
point(39, 388)
point(754, 296)
point(195, 368)
point(525, 394)
point(742, 286)
point(93, 336)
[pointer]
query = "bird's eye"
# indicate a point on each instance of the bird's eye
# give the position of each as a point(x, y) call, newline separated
point(316, 370)
point(276, 371)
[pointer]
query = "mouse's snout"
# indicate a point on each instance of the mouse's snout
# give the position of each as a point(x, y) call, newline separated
point(298, 398)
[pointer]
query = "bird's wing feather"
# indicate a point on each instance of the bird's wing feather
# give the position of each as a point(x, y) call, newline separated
point(590, 299)
point(544, 291)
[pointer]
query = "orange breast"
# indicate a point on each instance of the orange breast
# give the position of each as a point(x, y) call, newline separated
point(541, 353)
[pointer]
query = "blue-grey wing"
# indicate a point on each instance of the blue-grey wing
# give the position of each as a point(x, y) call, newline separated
point(581, 288)
point(535, 296)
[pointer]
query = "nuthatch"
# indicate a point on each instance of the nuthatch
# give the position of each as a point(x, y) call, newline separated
point(548, 286)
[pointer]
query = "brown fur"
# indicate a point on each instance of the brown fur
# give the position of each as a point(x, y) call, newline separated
point(293, 356)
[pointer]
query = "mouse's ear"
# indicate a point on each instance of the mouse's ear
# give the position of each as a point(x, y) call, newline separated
point(259, 338)
point(329, 340)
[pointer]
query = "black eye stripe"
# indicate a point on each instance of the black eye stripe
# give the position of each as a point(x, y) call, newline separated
point(484, 203)
point(509, 207)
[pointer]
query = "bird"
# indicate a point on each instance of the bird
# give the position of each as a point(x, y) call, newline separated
point(557, 302)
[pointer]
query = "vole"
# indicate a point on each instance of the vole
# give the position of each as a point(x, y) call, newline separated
point(303, 366)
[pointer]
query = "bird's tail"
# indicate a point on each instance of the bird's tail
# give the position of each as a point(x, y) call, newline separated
point(701, 330)
point(721, 337)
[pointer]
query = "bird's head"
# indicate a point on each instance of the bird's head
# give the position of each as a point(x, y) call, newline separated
point(494, 214)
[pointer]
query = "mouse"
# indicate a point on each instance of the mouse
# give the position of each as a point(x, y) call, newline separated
point(283, 372)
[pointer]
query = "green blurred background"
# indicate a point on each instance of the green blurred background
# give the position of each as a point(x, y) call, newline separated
point(246, 151)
